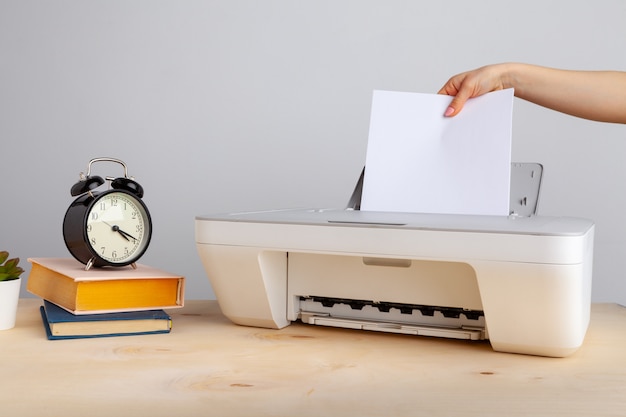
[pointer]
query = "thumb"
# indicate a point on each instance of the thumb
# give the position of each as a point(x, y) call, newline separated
point(456, 105)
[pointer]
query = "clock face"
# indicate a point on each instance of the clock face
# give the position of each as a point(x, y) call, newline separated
point(118, 227)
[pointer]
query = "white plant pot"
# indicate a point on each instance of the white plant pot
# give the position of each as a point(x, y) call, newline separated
point(9, 296)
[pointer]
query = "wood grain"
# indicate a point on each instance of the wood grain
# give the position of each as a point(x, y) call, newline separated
point(208, 366)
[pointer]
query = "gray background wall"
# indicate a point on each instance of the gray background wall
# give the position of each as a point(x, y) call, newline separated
point(236, 105)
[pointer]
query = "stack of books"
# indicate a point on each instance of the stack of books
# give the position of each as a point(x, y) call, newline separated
point(103, 301)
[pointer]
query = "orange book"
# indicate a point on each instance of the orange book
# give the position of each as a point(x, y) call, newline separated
point(64, 282)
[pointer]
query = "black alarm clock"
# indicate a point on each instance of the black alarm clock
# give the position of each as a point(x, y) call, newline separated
point(110, 228)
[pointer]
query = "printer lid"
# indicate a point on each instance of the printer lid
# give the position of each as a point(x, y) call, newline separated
point(534, 225)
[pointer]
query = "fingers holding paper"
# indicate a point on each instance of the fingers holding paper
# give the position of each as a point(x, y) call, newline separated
point(471, 84)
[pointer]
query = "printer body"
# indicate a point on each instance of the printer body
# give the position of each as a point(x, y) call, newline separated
point(521, 282)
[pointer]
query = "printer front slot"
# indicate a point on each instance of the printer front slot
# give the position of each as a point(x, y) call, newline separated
point(420, 320)
point(410, 282)
point(411, 296)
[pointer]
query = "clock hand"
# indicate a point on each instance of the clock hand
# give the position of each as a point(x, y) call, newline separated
point(116, 228)
point(126, 235)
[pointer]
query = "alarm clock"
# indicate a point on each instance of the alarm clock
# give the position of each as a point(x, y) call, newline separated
point(110, 228)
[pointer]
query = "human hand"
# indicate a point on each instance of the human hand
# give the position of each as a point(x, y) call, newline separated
point(472, 84)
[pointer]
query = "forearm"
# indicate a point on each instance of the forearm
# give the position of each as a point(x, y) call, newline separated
point(595, 95)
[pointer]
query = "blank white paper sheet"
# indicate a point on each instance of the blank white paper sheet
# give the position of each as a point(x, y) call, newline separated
point(420, 161)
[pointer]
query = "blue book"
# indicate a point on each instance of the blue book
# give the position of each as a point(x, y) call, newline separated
point(61, 324)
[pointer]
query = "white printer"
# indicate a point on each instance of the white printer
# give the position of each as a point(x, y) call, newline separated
point(521, 281)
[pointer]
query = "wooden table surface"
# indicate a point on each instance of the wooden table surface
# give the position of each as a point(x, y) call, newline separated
point(208, 366)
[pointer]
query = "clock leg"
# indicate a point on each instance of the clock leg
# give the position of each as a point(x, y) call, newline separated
point(89, 264)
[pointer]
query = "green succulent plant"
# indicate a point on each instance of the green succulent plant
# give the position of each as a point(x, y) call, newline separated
point(9, 268)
